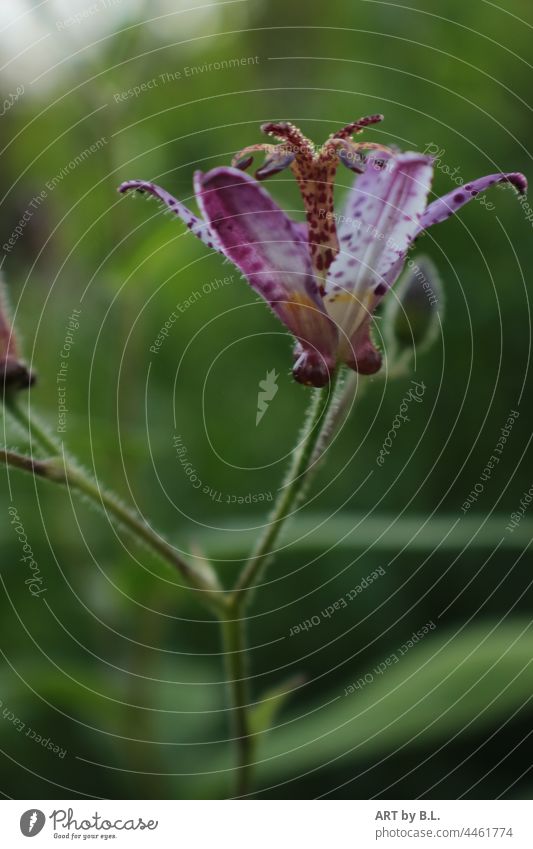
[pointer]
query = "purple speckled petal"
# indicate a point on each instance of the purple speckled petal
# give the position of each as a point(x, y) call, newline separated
point(447, 205)
point(381, 219)
point(269, 249)
point(383, 211)
point(195, 224)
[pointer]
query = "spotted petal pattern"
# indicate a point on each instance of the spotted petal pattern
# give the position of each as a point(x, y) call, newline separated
point(195, 224)
point(381, 218)
point(264, 243)
point(450, 203)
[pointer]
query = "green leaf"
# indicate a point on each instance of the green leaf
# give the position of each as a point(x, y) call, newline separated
point(448, 684)
point(264, 713)
point(382, 532)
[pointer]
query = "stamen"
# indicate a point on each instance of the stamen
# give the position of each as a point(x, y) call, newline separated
point(244, 158)
point(348, 153)
point(285, 132)
point(242, 162)
point(315, 173)
point(350, 156)
point(276, 163)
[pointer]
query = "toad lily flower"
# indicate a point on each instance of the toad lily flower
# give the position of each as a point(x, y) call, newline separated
point(14, 374)
point(325, 278)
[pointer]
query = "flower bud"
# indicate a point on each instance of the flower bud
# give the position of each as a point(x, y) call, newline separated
point(414, 309)
point(14, 374)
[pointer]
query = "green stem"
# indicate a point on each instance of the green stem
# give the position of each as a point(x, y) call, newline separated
point(349, 391)
point(235, 655)
point(61, 469)
point(126, 517)
point(316, 419)
point(337, 414)
point(32, 427)
point(25, 464)
point(228, 607)
point(233, 625)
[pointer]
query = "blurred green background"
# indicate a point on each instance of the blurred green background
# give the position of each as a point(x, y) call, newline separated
point(116, 664)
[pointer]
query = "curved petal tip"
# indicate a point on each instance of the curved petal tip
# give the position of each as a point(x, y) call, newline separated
point(141, 185)
point(519, 181)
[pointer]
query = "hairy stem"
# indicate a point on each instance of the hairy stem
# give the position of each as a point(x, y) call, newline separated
point(233, 625)
point(288, 498)
point(349, 391)
point(26, 464)
point(32, 427)
point(59, 468)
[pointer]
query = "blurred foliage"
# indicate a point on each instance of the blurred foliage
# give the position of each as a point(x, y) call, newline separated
point(116, 664)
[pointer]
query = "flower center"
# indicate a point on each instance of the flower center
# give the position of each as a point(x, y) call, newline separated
point(315, 171)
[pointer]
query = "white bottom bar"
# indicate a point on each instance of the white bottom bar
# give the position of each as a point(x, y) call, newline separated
point(264, 824)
